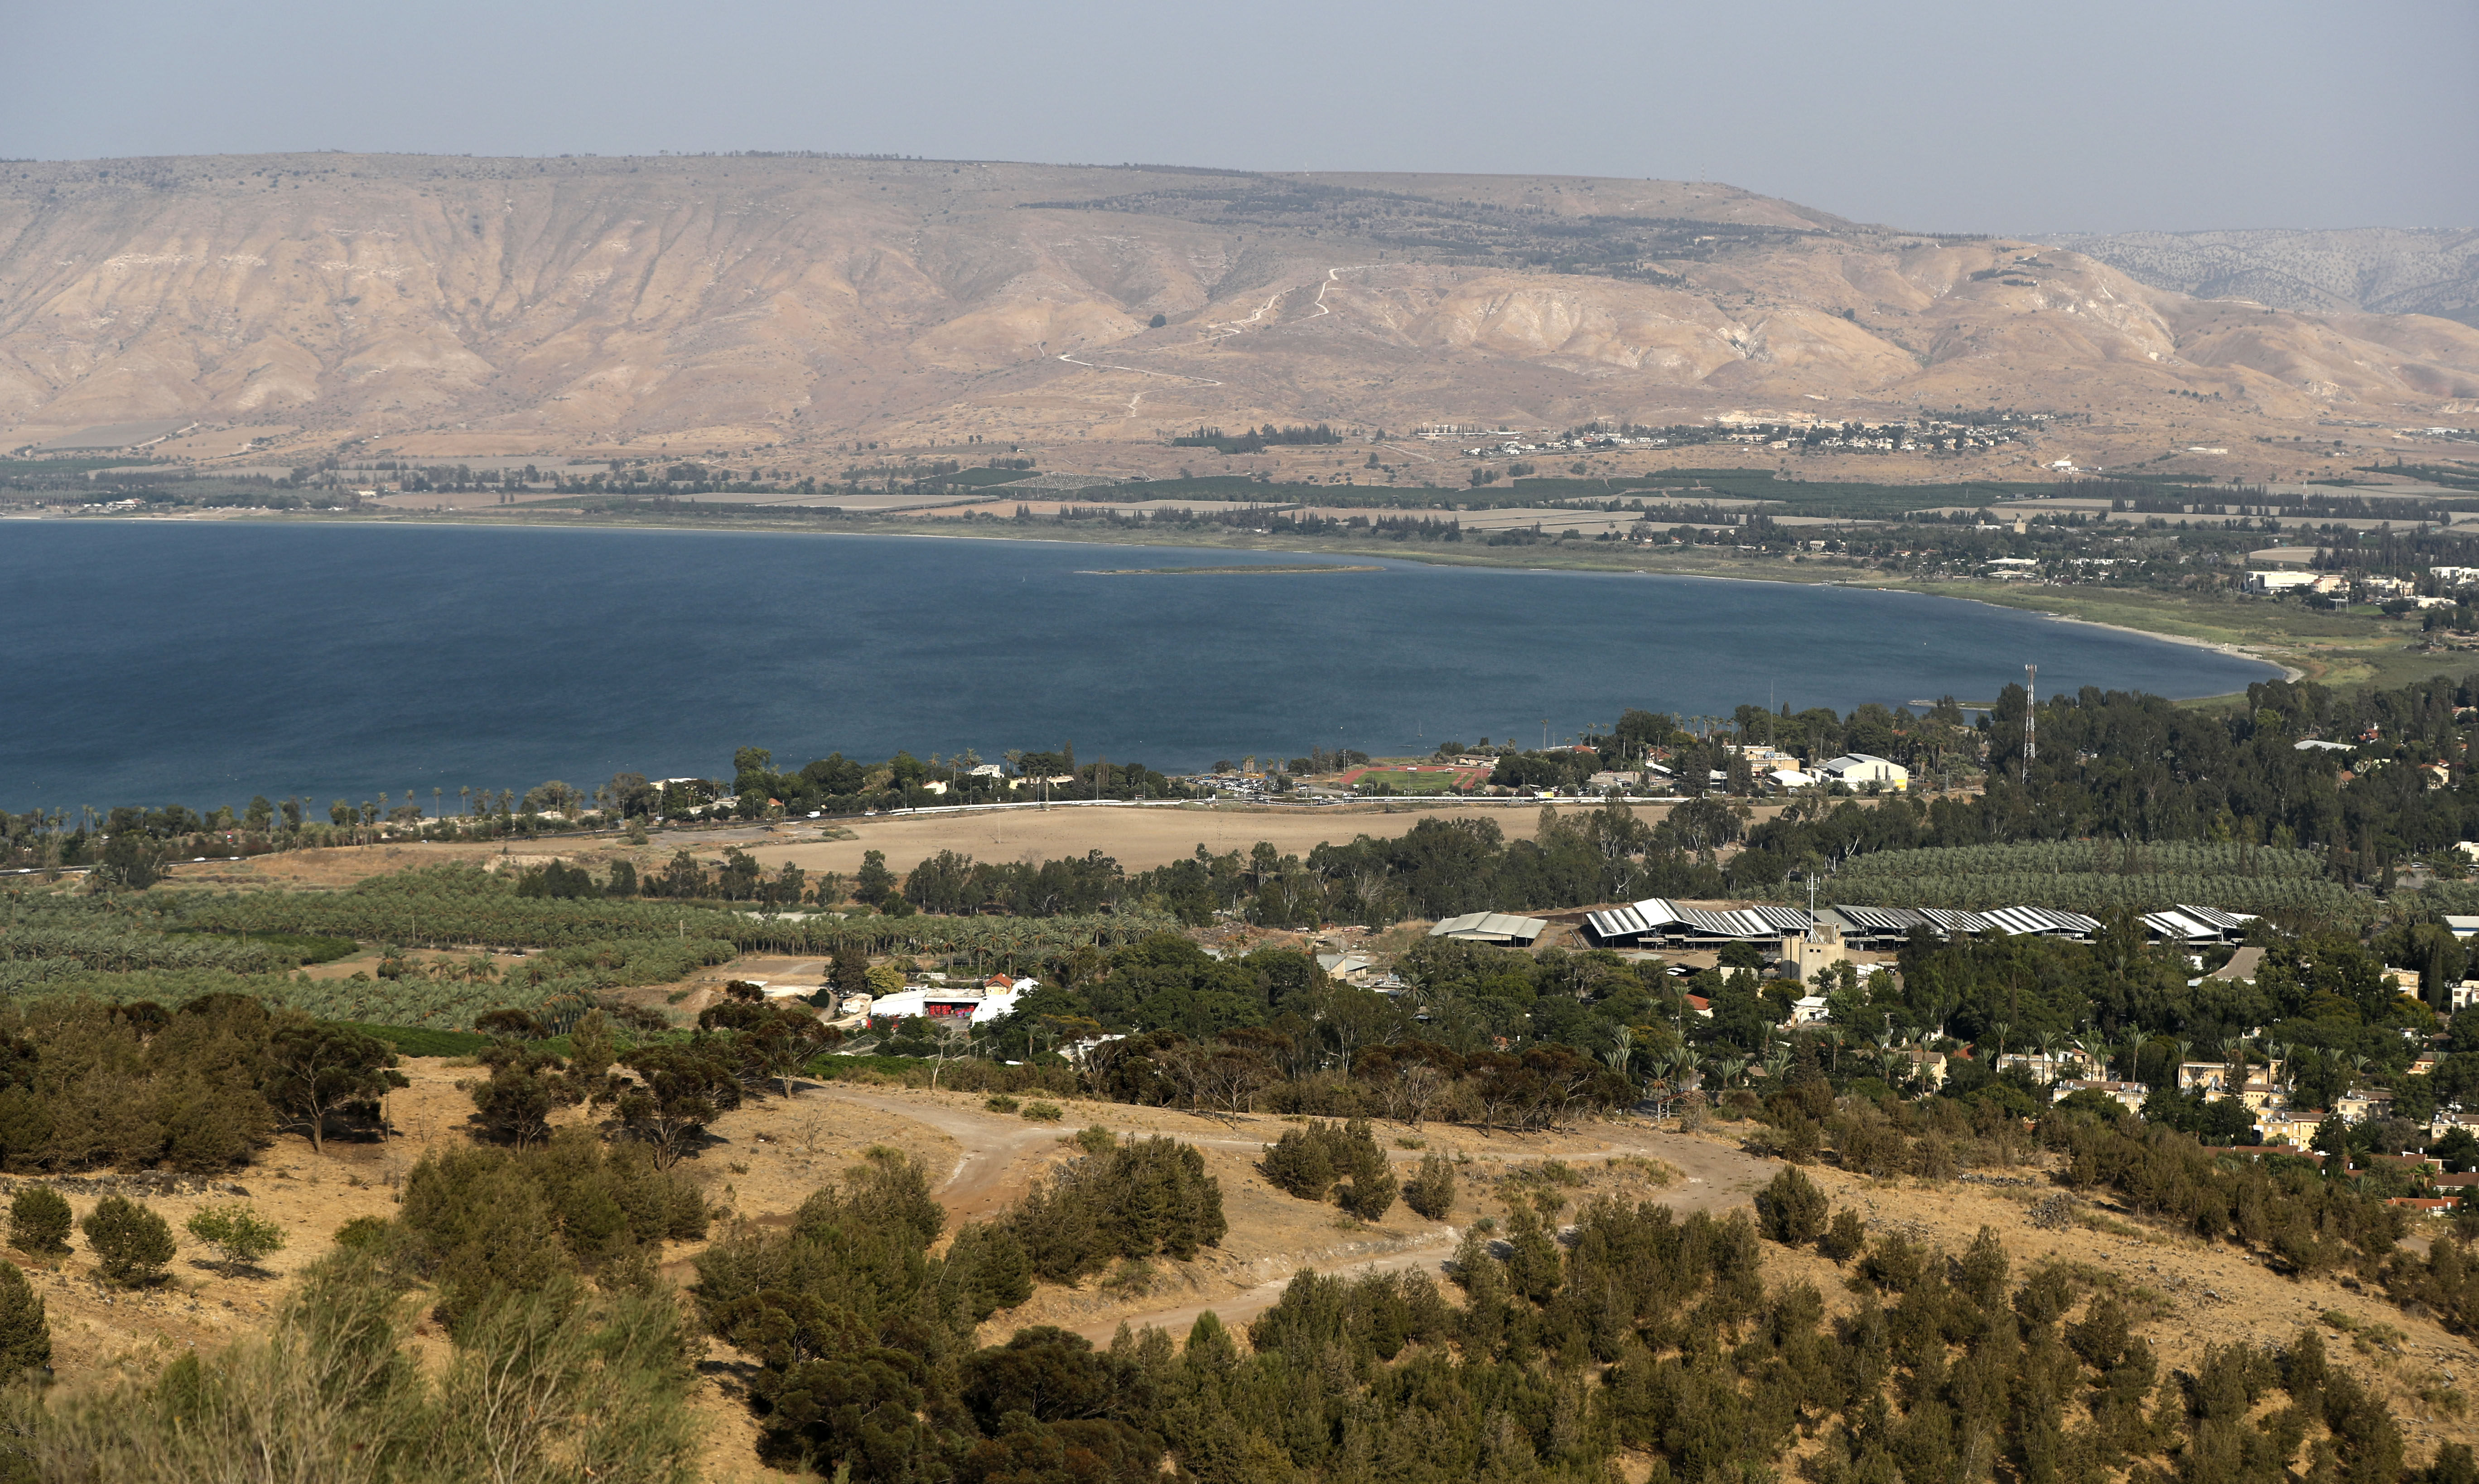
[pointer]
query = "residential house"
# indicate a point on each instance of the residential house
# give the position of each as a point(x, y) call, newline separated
point(1929, 1067)
point(2129, 1095)
point(2426, 1205)
point(2360, 1104)
point(2040, 1068)
point(2218, 1079)
point(2290, 1125)
point(1807, 1010)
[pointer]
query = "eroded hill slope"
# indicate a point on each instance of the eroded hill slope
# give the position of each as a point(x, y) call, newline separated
point(580, 302)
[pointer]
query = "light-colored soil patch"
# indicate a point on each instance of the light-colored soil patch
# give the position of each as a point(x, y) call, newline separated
point(1273, 1234)
point(1138, 839)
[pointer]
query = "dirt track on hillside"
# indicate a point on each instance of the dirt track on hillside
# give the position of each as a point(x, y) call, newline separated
point(1273, 1236)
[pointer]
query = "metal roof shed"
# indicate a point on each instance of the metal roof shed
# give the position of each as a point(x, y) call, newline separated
point(1490, 928)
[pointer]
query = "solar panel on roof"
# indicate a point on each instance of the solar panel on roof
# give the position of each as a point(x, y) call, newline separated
point(2211, 917)
point(1949, 921)
point(1881, 919)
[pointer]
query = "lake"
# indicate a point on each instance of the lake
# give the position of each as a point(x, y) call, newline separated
point(203, 662)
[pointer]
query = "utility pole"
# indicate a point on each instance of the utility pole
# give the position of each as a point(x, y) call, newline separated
point(2030, 720)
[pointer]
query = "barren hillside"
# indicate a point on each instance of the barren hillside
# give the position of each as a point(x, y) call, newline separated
point(2377, 270)
point(584, 303)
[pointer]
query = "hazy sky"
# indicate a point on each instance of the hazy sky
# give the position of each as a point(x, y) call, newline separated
point(2098, 115)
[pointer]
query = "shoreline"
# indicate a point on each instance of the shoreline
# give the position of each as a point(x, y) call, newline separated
point(2289, 673)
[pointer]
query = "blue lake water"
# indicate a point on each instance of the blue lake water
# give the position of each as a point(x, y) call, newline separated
point(202, 663)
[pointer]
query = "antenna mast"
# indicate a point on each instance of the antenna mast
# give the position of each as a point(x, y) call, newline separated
point(2030, 720)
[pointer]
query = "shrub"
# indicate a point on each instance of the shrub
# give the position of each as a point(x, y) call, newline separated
point(1432, 1191)
point(1097, 1139)
point(364, 1233)
point(242, 1235)
point(480, 1219)
point(25, 1332)
point(1000, 1103)
point(1306, 1161)
point(1844, 1237)
point(1297, 1164)
point(1695, 1114)
point(1142, 1198)
point(39, 1220)
point(1791, 1211)
point(1369, 1195)
point(132, 1243)
point(1044, 1112)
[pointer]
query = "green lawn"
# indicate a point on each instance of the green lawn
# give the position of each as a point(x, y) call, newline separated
point(1405, 782)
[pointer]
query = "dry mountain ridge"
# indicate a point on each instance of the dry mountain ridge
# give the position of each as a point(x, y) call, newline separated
point(2372, 270)
point(513, 305)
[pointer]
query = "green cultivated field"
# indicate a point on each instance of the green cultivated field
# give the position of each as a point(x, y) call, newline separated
point(1407, 782)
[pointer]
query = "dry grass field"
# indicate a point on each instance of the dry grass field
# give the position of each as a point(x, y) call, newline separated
point(768, 1156)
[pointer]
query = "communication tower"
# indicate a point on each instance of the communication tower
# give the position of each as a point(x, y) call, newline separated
point(2030, 720)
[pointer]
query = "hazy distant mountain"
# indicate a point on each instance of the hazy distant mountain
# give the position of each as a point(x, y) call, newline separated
point(801, 302)
point(2384, 270)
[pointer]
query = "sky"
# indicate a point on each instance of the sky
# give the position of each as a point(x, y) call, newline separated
point(2101, 116)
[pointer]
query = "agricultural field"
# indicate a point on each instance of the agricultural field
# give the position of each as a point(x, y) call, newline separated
point(2099, 877)
point(1414, 781)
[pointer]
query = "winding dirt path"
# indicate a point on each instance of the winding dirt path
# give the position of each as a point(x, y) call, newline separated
point(1003, 1154)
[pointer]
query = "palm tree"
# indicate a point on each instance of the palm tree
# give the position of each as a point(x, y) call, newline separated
point(1996, 1030)
point(1622, 1049)
point(1728, 1068)
point(2047, 1041)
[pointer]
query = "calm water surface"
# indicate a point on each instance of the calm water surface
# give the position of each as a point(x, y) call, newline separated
point(204, 663)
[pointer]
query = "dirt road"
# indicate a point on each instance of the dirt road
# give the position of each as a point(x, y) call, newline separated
point(1713, 1179)
point(1273, 1236)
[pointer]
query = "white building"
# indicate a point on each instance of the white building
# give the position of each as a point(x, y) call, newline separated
point(2296, 581)
point(1861, 769)
point(2129, 1095)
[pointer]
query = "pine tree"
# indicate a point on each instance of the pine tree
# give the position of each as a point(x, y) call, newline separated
point(1432, 1191)
point(39, 1220)
point(25, 1333)
point(1791, 1209)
